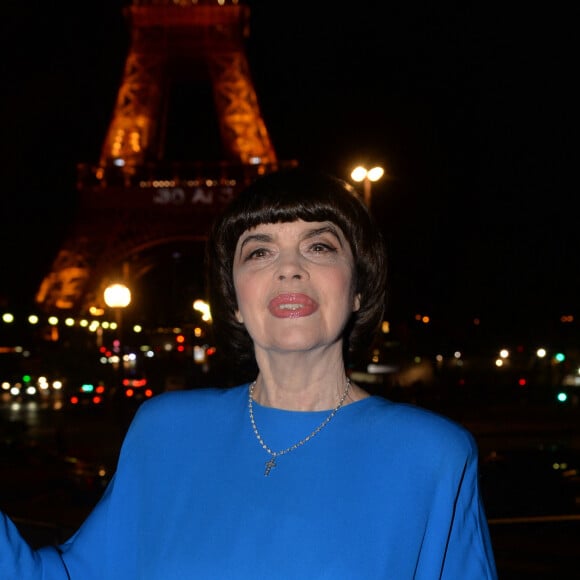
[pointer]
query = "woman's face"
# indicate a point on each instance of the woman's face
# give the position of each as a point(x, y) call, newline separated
point(295, 285)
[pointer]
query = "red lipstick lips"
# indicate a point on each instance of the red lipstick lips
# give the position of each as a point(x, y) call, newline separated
point(291, 305)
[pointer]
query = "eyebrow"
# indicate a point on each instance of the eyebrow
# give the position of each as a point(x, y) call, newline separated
point(329, 229)
point(255, 238)
point(259, 237)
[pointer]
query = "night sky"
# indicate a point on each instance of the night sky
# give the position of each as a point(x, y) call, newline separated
point(469, 108)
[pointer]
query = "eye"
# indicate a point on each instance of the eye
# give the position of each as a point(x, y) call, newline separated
point(321, 248)
point(256, 254)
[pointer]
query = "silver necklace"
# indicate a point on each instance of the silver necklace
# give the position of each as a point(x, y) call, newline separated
point(271, 463)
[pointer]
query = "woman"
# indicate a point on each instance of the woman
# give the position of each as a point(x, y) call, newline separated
point(298, 474)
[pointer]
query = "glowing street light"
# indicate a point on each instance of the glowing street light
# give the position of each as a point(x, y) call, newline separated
point(203, 307)
point(118, 297)
point(367, 176)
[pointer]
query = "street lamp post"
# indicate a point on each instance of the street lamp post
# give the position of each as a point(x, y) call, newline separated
point(118, 297)
point(200, 352)
point(367, 176)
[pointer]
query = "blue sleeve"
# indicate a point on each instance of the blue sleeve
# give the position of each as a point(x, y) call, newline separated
point(103, 547)
point(19, 560)
point(469, 553)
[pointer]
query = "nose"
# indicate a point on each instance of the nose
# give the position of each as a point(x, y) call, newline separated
point(290, 267)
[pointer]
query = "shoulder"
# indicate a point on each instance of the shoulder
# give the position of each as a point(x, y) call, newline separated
point(420, 429)
point(176, 406)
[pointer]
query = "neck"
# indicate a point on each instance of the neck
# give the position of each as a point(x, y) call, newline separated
point(292, 396)
point(295, 404)
point(300, 381)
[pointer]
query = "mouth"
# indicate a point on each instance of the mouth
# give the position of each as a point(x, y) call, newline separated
point(292, 306)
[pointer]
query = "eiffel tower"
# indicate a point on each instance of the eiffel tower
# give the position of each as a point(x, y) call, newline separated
point(139, 203)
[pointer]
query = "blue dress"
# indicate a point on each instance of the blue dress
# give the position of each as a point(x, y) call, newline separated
point(384, 491)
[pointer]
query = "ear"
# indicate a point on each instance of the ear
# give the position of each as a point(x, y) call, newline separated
point(356, 302)
point(239, 316)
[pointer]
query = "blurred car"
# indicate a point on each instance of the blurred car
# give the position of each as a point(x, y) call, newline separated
point(136, 389)
point(88, 395)
point(25, 387)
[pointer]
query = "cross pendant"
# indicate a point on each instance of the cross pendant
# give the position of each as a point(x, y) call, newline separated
point(270, 464)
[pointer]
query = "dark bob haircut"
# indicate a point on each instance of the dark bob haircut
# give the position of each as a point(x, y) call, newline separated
point(286, 196)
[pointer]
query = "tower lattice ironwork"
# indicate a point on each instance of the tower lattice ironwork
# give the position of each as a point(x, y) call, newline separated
point(138, 198)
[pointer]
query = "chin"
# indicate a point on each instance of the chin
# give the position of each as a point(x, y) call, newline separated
point(301, 344)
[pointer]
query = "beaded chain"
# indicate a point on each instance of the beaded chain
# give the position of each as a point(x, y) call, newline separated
point(271, 463)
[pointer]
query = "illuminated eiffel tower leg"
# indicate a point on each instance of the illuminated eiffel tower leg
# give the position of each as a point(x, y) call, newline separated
point(136, 201)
